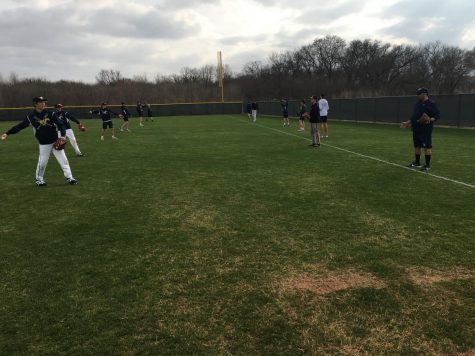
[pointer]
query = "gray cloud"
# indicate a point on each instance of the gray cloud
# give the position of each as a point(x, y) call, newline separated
point(73, 39)
point(447, 21)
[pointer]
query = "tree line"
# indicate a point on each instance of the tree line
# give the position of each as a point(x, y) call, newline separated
point(330, 64)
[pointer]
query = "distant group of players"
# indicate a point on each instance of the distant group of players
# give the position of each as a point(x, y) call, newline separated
point(106, 115)
point(317, 116)
point(53, 128)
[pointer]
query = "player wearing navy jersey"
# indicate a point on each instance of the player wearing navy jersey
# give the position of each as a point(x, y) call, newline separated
point(324, 108)
point(139, 109)
point(125, 116)
point(314, 120)
point(254, 108)
point(284, 103)
point(45, 126)
point(302, 111)
point(105, 113)
point(149, 112)
point(65, 118)
point(422, 131)
point(248, 109)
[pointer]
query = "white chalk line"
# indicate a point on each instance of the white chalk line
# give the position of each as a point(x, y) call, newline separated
point(370, 157)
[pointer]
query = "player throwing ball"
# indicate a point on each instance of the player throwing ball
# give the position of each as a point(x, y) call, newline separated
point(105, 114)
point(45, 126)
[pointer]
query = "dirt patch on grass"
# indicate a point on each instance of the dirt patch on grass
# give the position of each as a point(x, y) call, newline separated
point(428, 276)
point(322, 284)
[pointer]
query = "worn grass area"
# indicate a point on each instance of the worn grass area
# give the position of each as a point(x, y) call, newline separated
point(211, 235)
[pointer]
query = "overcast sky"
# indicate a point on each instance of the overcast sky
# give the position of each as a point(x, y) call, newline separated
point(75, 39)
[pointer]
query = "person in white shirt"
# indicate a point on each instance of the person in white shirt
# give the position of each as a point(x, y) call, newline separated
point(324, 108)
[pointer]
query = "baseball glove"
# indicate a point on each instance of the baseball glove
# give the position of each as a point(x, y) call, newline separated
point(424, 119)
point(404, 124)
point(59, 144)
point(81, 127)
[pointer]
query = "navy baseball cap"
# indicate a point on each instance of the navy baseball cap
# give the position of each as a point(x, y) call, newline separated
point(39, 99)
point(422, 91)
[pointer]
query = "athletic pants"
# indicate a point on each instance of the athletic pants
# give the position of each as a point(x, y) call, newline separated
point(45, 152)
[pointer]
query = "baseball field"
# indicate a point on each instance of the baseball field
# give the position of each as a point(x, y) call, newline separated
point(210, 235)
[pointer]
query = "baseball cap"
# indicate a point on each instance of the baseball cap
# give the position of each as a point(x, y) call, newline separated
point(39, 99)
point(422, 91)
point(58, 106)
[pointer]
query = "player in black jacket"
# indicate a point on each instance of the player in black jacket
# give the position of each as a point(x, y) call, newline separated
point(314, 120)
point(65, 118)
point(422, 133)
point(284, 103)
point(45, 126)
point(248, 109)
point(139, 108)
point(125, 115)
point(254, 108)
point(302, 111)
point(105, 114)
point(149, 112)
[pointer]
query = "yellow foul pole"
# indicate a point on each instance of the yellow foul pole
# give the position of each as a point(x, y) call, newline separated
point(220, 75)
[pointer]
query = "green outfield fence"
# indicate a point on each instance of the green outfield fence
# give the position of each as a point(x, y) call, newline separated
point(178, 109)
point(456, 110)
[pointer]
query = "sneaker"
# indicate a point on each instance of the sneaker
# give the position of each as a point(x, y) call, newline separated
point(413, 165)
point(115, 138)
point(121, 130)
point(425, 168)
point(40, 183)
point(79, 155)
point(71, 181)
point(141, 124)
point(102, 138)
point(127, 130)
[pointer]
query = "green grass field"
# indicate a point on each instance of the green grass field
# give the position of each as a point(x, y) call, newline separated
point(210, 235)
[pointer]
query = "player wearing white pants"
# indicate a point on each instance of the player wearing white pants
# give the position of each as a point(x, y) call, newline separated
point(45, 126)
point(254, 108)
point(65, 118)
point(72, 139)
point(45, 153)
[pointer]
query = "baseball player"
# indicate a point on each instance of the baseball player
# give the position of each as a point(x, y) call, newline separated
point(302, 111)
point(284, 103)
point(65, 118)
point(45, 126)
point(254, 108)
point(139, 109)
point(248, 109)
point(422, 130)
point(149, 112)
point(125, 115)
point(314, 120)
point(324, 108)
point(105, 114)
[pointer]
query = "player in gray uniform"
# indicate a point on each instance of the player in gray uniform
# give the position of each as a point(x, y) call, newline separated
point(45, 126)
point(65, 118)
